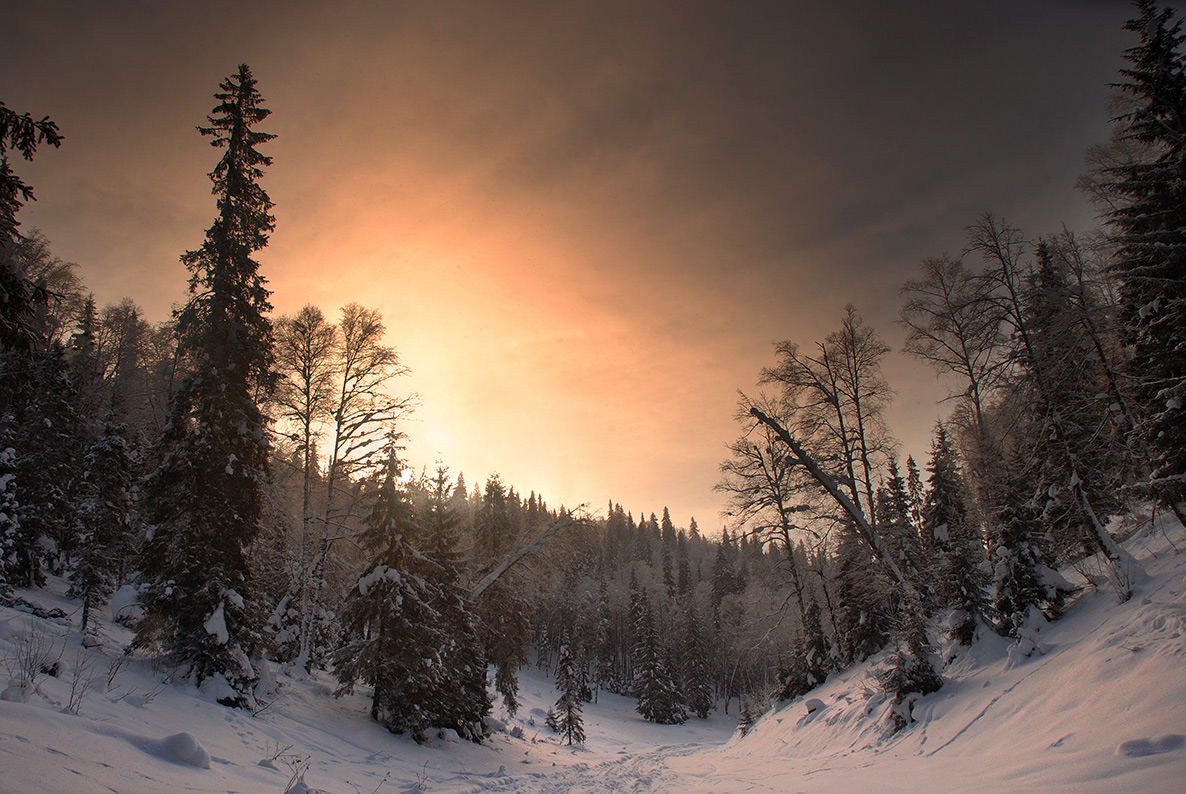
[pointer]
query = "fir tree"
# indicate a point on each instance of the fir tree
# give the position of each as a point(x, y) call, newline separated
point(956, 553)
point(460, 698)
point(569, 723)
point(697, 666)
point(391, 634)
point(1022, 578)
point(654, 686)
point(106, 529)
point(1148, 220)
point(205, 497)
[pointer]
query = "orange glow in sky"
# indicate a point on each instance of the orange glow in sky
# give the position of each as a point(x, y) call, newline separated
point(584, 223)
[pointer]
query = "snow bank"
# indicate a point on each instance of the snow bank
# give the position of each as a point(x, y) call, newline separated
point(188, 750)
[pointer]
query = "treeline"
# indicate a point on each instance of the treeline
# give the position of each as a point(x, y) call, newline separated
point(245, 474)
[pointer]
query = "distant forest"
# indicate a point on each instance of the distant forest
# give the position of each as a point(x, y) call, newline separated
point(240, 477)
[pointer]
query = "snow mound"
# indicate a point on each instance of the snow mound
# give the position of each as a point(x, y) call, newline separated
point(188, 750)
point(1136, 748)
point(125, 604)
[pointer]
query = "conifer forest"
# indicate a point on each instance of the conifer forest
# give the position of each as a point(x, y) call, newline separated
point(230, 489)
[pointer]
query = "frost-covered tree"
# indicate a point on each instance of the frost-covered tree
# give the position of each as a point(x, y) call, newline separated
point(1148, 227)
point(1023, 581)
point(569, 723)
point(696, 657)
point(22, 297)
point(205, 497)
point(1066, 454)
point(502, 611)
point(10, 522)
point(1076, 418)
point(953, 546)
point(655, 686)
point(391, 633)
point(361, 412)
point(460, 698)
point(107, 532)
point(306, 349)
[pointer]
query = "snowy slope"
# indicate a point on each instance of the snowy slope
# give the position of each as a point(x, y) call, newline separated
point(1102, 710)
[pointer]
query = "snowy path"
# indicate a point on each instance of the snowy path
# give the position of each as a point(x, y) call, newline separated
point(636, 773)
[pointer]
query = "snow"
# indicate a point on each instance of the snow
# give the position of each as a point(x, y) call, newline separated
point(1101, 709)
point(215, 625)
point(378, 574)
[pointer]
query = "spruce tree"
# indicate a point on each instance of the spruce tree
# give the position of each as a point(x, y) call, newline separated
point(567, 711)
point(205, 497)
point(865, 596)
point(1020, 555)
point(655, 687)
point(955, 552)
point(459, 698)
point(391, 637)
point(106, 522)
point(697, 666)
point(20, 297)
point(1148, 224)
point(1082, 448)
point(9, 506)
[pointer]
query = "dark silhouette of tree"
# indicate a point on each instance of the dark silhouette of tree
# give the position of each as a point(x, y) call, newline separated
point(205, 497)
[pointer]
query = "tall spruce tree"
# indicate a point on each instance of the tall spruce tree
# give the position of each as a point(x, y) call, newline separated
point(1148, 222)
point(205, 497)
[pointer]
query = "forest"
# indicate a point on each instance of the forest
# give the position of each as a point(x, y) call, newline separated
point(236, 481)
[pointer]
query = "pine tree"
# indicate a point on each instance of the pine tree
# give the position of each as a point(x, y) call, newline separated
point(205, 497)
point(569, 723)
point(1148, 220)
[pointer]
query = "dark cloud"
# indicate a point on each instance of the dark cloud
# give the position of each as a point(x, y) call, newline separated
point(627, 200)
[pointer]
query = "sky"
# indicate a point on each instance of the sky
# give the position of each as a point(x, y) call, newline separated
point(585, 223)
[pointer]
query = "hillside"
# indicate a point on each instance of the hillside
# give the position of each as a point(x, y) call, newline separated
point(1101, 709)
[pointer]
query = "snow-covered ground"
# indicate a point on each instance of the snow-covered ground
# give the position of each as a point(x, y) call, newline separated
point(1103, 709)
